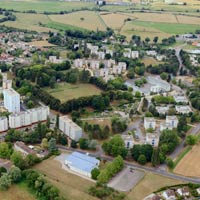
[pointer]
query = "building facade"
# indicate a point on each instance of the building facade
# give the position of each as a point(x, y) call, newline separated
point(69, 128)
point(11, 100)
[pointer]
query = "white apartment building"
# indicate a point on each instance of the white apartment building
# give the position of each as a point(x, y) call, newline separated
point(152, 139)
point(149, 122)
point(11, 100)
point(69, 128)
point(29, 117)
point(165, 126)
point(128, 141)
point(172, 120)
point(135, 54)
point(183, 109)
point(3, 124)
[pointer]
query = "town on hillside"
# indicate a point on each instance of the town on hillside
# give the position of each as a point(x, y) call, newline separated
point(100, 100)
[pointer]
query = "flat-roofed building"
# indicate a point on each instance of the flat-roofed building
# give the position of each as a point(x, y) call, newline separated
point(183, 109)
point(152, 139)
point(128, 141)
point(149, 122)
point(11, 100)
point(3, 124)
point(81, 163)
point(69, 128)
point(172, 120)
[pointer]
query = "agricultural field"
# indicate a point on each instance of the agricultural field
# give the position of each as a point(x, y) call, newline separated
point(41, 6)
point(29, 22)
point(70, 185)
point(66, 91)
point(113, 20)
point(189, 164)
point(16, 192)
point(130, 29)
point(84, 19)
point(150, 183)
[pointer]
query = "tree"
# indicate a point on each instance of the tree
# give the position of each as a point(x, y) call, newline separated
point(18, 160)
point(83, 143)
point(2, 170)
point(170, 163)
point(115, 147)
point(5, 150)
point(44, 143)
point(169, 139)
point(191, 139)
point(155, 159)
point(15, 174)
point(147, 40)
point(142, 159)
point(164, 75)
point(155, 39)
point(52, 145)
point(95, 173)
point(5, 182)
point(182, 124)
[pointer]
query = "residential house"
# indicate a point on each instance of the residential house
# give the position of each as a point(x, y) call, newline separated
point(151, 53)
point(22, 148)
point(183, 192)
point(169, 195)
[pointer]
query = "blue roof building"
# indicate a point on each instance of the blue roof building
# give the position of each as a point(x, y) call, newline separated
point(81, 163)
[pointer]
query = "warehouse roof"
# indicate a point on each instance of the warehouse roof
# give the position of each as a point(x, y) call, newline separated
point(82, 161)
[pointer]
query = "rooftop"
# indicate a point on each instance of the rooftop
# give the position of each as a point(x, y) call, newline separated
point(82, 161)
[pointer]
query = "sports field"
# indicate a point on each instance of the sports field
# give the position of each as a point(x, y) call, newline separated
point(150, 183)
point(71, 186)
point(83, 19)
point(190, 163)
point(66, 91)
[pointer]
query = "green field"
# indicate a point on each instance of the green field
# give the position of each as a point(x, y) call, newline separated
point(41, 6)
point(66, 91)
point(170, 28)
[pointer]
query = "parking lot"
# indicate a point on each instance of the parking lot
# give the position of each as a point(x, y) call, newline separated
point(126, 179)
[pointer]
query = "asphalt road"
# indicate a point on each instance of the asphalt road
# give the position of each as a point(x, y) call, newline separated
point(139, 167)
point(193, 131)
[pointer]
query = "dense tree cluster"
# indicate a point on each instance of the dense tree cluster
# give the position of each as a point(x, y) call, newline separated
point(41, 186)
point(171, 65)
point(142, 153)
point(8, 16)
point(118, 125)
point(115, 147)
point(159, 99)
point(111, 169)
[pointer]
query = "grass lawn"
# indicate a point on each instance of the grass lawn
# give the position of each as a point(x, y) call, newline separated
point(66, 91)
point(150, 183)
point(71, 186)
point(150, 61)
point(17, 192)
